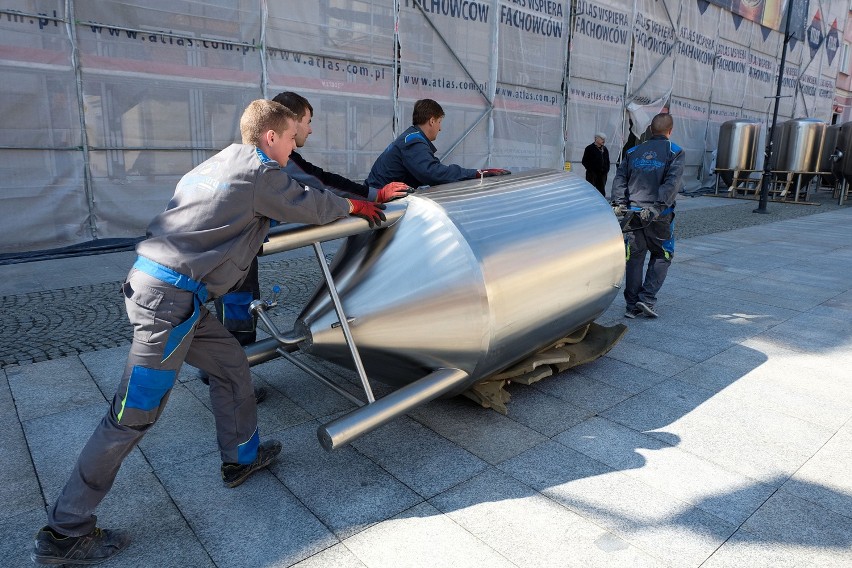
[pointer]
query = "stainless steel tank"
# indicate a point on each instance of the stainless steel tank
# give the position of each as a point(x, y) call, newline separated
point(800, 145)
point(828, 165)
point(844, 142)
point(737, 149)
point(475, 276)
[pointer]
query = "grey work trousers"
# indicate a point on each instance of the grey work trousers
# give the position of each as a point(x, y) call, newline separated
point(656, 237)
point(153, 308)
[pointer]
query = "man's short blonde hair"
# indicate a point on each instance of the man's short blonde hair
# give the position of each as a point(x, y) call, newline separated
point(260, 117)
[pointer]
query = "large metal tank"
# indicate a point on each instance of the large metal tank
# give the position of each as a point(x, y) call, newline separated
point(844, 142)
point(475, 276)
point(827, 164)
point(737, 148)
point(800, 145)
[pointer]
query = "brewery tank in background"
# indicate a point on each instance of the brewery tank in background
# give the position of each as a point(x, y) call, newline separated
point(737, 148)
point(799, 149)
point(828, 166)
point(844, 142)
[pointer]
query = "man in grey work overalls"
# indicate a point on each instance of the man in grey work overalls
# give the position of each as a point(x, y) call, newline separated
point(201, 246)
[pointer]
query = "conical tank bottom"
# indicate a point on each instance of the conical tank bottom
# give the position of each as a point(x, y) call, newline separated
point(411, 295)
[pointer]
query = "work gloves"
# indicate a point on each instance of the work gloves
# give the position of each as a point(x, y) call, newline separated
point(393, 190)
point(619, 209)
point(649, 213)
point(491, 172)
point(368, 210)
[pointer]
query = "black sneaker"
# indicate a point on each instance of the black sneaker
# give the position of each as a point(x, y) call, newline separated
point(234, 473)
point(633, 313)
point(647, 310)
point(93, 548)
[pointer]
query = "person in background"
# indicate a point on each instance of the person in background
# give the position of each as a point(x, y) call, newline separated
point(650, 176)
point(411, 157)
point(200, 246)
point(596, 162)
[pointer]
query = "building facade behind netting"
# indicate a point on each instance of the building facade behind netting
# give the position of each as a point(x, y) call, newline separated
point(107, 104)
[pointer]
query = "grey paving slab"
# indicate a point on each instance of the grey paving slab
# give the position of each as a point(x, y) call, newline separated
point(677, 533)
point(259, 523)
point(20, 490)
point(55, 442)
point(825, 480)
point(730, 496)
point(808, 333)
point(619, 374)
point(583, 392)
point(418, 457)
point(422, 537)
point(19, 530)
point(747, 549)
point(530, 530)
point(788, 519)
point(761, 443)
point(482, 432)
point(649, 359)
point(48, 387)
point(656, 334)
point(344, 489)
point(315, 398)
point(815, 399)
point(542, 412)
point(337, 556)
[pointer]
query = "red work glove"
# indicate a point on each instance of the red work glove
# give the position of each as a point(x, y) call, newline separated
point(490, 172)
point(393, 190)
point(367, 210)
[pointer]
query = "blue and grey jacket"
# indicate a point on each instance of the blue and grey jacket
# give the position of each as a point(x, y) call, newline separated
point(411, 160)
point(650, 174)
point(220, 213)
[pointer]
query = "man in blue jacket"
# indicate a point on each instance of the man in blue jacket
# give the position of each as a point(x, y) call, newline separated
point(411, 157)
point(650, 176)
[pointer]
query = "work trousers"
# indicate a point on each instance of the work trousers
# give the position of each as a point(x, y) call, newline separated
point(656, 237)
point(232, 309)
point(154, 308)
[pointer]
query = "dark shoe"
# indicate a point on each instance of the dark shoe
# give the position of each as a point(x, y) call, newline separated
point(647, 310)
point(203, 377)
point(633, 313)
point(234, 473)
point(93, 548)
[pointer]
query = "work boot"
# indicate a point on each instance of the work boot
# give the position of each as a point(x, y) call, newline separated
point(234, 474)
point(647, 310)
point(93, 548)
point(259, 392)
point(632, 313)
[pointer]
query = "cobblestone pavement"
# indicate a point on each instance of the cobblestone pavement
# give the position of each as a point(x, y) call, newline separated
point(57, 323)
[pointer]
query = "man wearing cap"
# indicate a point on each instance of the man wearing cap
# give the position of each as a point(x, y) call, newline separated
point(596, 162)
